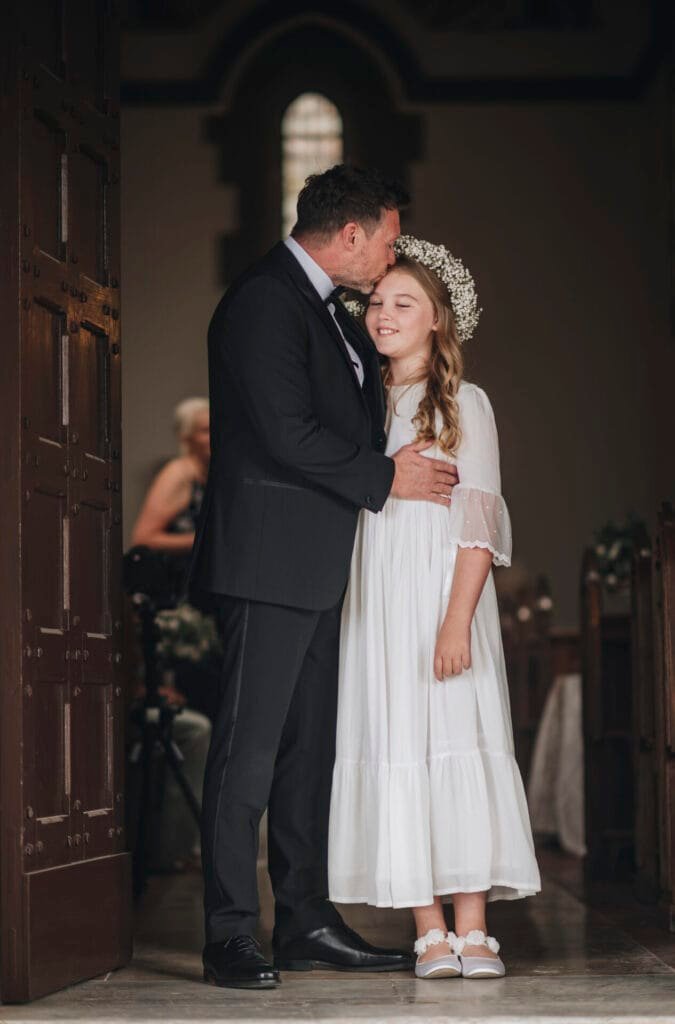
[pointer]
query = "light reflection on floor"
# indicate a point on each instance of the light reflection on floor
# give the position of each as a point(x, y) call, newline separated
point(565, 962)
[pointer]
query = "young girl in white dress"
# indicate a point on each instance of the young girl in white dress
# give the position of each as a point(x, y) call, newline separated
point(428, 803)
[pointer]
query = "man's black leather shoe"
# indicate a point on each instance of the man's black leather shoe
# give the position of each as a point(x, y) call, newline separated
point(238, 963)
point(338, 948)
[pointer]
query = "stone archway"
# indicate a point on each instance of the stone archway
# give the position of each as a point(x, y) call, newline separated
point(303, 58)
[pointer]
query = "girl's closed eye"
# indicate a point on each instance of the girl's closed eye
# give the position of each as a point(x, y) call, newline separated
point(399, 305)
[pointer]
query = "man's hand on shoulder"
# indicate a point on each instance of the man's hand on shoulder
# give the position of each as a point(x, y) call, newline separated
point(419, 478)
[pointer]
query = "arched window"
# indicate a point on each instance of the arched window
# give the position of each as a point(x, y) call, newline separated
point(311, 141)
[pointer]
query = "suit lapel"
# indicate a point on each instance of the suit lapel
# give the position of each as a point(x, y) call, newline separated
point(309, 292)
point(281, 255)
point(370, 356)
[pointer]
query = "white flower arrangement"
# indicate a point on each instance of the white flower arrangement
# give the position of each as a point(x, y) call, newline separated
point(614, 546)
point(453, 274)
point(186, 634)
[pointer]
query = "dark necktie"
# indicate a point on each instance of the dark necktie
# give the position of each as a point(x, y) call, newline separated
point(333, 300)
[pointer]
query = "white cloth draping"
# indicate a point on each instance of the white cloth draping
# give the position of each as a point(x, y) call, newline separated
point(555, 791)
point(427, 797)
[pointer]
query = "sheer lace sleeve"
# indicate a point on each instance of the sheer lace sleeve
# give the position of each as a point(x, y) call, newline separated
point(479, 517)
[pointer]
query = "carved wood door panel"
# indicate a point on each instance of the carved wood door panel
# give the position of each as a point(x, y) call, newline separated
point(65, 877)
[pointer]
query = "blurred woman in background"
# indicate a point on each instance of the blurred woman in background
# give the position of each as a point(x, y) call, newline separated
point(166, 525)
point(169, 514)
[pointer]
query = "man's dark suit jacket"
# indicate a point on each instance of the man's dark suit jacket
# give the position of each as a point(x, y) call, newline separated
point(296, 444)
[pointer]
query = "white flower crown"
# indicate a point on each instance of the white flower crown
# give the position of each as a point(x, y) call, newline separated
point(452, 273)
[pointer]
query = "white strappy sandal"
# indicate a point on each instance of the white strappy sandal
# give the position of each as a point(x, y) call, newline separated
point(447, 966)
point(479, 966)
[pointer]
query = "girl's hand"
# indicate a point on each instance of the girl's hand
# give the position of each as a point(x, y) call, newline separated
point(453, 649)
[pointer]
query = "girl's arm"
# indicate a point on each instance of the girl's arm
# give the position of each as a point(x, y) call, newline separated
point(479, 526)
point(453, 645)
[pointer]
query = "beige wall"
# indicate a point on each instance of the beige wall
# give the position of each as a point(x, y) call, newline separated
point(556, 210)
point(559, 210)
point(173, 209)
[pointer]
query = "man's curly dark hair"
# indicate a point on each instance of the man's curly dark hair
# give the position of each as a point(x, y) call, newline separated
point(342, 194)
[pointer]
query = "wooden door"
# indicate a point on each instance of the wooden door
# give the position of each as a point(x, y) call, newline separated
point(64, 872)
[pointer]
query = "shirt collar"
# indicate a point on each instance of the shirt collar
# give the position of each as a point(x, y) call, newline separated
point(316, 274)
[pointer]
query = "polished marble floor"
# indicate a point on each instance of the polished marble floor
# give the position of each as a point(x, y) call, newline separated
point(567, 962)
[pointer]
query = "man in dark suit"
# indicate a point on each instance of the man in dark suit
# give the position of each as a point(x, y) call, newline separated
point(298, 439)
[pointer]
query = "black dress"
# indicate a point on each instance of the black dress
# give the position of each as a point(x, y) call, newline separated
point(199, 683)
point(186, 521)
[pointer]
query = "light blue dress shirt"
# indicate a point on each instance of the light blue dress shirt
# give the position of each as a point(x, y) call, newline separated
point(324, 286)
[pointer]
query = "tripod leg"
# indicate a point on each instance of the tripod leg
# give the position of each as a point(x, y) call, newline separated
point(175, 762)
point(140, 858)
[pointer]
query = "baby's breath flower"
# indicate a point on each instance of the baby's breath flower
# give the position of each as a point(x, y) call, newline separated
point(452, 273)
point(354, 307)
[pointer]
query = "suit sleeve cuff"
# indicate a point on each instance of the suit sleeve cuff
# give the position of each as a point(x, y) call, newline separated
point(380, 483)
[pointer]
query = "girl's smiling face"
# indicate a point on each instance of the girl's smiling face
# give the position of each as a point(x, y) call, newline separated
point(401, 319)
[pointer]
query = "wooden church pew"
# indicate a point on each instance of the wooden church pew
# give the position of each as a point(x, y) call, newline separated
point(607, 726)
point(644, 724)
point(529, 653)
point(664, 620)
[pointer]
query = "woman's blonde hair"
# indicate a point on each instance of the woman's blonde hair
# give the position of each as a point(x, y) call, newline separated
point(446, 364)
point(184, 416)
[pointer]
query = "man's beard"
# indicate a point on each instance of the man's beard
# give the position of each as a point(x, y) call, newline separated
point(363, 287)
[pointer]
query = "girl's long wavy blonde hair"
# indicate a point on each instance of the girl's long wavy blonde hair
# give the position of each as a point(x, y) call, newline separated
point(446, 364)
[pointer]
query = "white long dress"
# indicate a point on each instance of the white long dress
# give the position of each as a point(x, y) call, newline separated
point(427, 798)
